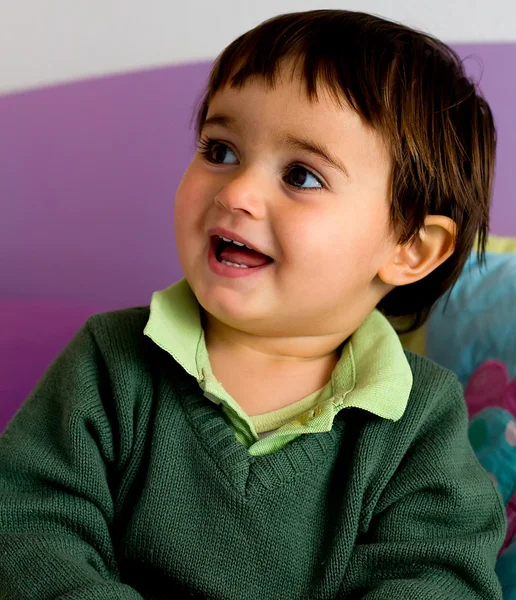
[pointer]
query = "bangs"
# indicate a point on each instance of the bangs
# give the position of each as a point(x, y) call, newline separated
point(327, 48)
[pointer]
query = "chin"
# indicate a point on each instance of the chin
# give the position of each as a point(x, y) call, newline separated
point(228, 307)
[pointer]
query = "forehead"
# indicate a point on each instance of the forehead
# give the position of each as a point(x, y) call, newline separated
point(283, 101)
point(274, 112)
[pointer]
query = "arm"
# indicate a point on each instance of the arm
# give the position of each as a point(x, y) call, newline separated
point(436, 529)
point(56, 505)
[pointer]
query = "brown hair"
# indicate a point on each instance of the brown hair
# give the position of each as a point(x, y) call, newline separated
point(413, 88)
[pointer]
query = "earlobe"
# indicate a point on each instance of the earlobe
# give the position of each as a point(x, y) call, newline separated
point(411, 262)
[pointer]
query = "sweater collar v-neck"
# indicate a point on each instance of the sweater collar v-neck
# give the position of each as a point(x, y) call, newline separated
point(372, 373)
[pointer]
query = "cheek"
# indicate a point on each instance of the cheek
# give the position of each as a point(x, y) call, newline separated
point(186, 215)
point(351, 243)
point(189, 199)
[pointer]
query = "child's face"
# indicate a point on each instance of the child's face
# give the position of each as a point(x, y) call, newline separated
point(327, 231)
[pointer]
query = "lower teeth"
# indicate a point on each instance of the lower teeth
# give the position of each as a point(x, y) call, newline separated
point(231, 264)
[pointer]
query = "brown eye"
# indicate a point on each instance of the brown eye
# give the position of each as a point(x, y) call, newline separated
point(217, 152)
point(298, 176)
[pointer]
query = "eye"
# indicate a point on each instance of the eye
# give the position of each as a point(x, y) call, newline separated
point(217, 152)
point(300, 177)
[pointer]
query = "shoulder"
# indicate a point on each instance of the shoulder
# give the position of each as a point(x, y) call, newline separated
point(431, 432)
point(116, 342)
point(123, 320)
point(429, 376)
point(126, 367)
point(436, 395)
point(117, 330)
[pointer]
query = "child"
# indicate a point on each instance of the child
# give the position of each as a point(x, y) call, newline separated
point(258, 431)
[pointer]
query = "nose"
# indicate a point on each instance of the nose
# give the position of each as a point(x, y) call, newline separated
point(244, 192)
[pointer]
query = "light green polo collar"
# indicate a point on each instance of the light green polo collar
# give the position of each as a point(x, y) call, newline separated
point(175, 324)
point(372, 373)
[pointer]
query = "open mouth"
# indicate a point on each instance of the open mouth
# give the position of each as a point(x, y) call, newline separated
point(236, 254)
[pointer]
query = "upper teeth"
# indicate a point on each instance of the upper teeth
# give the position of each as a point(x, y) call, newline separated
point(234, 242)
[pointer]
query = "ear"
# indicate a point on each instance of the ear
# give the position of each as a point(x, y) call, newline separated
point(434, 243)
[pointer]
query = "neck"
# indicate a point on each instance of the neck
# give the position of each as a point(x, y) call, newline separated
point(265, 373)
point(271, 349)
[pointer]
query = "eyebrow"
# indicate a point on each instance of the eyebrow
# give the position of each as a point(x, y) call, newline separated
point(315, 148)
point(291, 141)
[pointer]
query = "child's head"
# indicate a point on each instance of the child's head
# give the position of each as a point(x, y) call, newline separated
point(394, 152)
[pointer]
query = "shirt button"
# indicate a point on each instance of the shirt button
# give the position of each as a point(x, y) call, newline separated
point(303, 419)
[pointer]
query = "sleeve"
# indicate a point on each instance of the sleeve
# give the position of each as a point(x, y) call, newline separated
point(57, 468)
point(438, 524)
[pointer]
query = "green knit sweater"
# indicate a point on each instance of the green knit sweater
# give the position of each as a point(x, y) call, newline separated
point(120, 480)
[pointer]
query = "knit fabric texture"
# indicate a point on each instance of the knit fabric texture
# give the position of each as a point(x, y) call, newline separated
point(120, 480)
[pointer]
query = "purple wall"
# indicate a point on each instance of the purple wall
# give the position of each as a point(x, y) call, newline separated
point(88, 173)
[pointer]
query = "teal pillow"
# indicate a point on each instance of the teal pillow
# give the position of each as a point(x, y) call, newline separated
point(476, 321)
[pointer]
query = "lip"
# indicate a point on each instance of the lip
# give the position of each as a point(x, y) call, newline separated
point(226, 270)
point(230, 235)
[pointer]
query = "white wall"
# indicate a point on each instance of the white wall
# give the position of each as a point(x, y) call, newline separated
point(50, 41)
